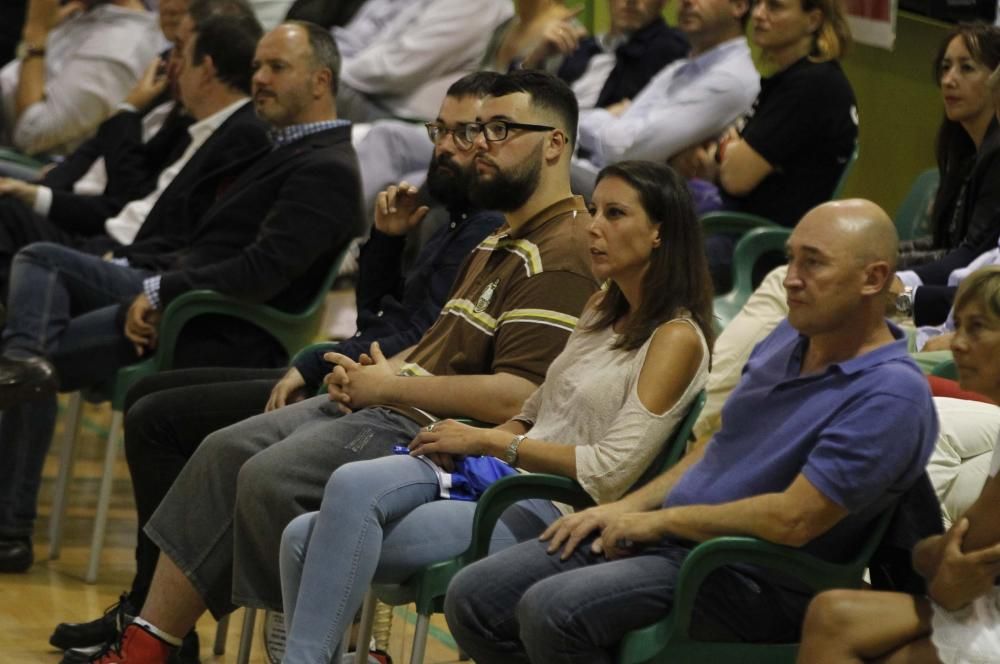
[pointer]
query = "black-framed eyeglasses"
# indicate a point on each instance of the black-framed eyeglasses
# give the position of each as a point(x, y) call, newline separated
point(436, 132)
point(497, 130)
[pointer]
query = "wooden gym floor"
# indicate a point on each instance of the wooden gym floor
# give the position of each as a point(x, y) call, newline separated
point(53, 591)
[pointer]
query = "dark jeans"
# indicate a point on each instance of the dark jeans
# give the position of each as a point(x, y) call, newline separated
point(167, 416)
point(63, 305)
point(522, 604)
point(20, 226)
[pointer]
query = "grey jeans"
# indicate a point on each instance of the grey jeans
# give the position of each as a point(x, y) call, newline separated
point(222, 520)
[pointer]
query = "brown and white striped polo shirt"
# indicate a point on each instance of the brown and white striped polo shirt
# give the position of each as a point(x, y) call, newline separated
point(515, 301)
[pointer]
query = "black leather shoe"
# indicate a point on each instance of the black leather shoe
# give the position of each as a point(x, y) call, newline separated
point(21, 380)
point(96, 632)
point(16, 555)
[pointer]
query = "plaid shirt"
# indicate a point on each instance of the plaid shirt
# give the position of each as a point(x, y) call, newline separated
point(283, 136)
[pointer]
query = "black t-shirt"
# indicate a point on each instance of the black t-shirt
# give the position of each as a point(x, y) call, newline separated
point(804, 123)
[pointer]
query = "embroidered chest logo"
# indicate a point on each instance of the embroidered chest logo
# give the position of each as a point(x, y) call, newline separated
point(486, 296)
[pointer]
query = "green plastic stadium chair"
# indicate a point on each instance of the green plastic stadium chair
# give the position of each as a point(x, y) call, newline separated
point(670, 640)
point(749, 249)
point(914, 215)
point(292, 330)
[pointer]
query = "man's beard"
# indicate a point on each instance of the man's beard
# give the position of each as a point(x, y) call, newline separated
point(449, 183)
point(508, 191)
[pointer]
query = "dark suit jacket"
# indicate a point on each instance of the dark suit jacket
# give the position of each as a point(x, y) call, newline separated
point(932, 303)
point(231, 148)
point(270, 237)
point(647, 51)
point(132, 166)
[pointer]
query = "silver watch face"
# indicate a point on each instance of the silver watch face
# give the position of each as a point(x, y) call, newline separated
point(904, 303)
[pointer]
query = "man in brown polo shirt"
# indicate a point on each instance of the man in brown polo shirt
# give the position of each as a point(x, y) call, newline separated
point(515, 301)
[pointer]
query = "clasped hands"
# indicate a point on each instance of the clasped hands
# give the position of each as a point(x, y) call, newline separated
point(352, 385)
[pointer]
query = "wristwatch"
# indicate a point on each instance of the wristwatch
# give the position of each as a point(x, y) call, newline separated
point(510, 454)
point(34, 51)
point(904, 302)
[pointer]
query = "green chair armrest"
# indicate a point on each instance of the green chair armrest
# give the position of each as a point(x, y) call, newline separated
point(427, 587)
point(291, 330)
point(508, 490)
point(311, 348)
point(673, 632)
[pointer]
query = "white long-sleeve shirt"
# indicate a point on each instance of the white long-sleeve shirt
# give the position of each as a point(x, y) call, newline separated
point(407, 52)
point(689, 101)
point(92, 61)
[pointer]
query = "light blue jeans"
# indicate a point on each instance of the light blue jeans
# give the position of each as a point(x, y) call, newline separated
point(380, 520)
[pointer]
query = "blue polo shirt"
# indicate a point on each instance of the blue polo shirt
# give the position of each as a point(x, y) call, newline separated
point(861, 431)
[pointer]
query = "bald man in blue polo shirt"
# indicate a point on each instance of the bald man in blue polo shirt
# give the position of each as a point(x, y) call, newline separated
point(830, 424)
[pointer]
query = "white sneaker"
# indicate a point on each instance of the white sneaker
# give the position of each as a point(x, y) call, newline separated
point(274, 636)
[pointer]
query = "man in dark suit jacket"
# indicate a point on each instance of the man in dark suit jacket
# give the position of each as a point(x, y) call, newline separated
point(140, 173)
point(274, 223)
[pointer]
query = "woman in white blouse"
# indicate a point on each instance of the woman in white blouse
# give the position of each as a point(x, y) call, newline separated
point(626, 378)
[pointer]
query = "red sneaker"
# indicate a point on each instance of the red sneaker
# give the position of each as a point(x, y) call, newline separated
point(137, 646)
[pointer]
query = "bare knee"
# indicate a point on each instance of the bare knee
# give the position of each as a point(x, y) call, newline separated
point(831, 613)
point(832, 631)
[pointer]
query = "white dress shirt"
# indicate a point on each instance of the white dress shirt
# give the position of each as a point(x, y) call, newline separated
point(92, 61)
point(407, 52)
point(689, 101)
point(124, 227)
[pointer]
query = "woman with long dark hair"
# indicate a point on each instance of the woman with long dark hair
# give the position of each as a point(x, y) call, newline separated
point(966, 202)
point(966, 213)
point(626, 378)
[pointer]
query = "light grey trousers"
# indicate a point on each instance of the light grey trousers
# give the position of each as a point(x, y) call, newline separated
point(222, 520)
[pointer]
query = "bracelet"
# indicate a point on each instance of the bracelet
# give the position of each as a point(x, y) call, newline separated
point(31, 51)
point(510, 454)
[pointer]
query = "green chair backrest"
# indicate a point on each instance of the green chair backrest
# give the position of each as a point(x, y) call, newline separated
point(749, 249)
point(838, 190)
point(726, 222)
point(15, 157)
point(669, 640)
point(946, 369)
point(292, 330)
point(914, 214)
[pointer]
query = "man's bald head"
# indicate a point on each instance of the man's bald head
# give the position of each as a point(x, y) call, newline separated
point(864, 228)
point(842, 257)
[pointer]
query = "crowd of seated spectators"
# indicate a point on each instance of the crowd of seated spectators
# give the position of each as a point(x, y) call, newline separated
point(526, 199)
